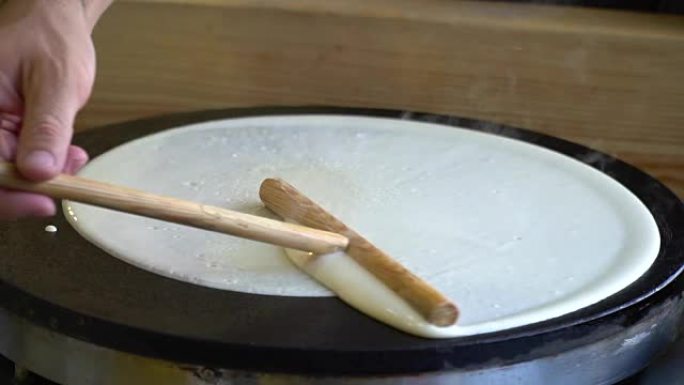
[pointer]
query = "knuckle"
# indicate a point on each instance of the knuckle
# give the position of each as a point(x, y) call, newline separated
point(8, 145)
point(48, 129)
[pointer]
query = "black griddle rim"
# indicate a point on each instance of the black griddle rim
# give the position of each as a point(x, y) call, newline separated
point(598, 321)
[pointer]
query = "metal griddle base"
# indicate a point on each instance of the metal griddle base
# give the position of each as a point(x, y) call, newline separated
point(7, 371)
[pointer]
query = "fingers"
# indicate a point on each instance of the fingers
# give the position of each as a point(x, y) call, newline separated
point(51, 103)
point(17, 205)
point(10, 122)
point(8, 145)
point(15, 119)
point(76, 156)
point(14, 205)
point(9, 126)
point(76, 159)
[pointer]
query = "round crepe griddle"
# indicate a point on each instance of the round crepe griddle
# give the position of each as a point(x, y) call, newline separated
point(61, 282)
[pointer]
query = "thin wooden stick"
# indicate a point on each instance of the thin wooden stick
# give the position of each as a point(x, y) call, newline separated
point(289, 203)
point(177, 211)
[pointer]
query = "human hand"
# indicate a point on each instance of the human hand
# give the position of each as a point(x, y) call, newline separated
point(46, 75)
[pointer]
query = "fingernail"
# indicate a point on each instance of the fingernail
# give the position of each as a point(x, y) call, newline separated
point(39, 160)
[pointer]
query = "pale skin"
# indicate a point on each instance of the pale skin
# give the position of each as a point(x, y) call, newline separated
point(47, 72)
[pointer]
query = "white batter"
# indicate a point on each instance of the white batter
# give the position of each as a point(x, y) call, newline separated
point(513, 233)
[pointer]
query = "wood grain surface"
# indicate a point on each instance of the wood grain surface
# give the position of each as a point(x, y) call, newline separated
point(179, 211)
point(291, 204)
point(611, 80)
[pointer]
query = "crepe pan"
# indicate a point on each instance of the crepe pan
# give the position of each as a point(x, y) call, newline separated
point(73, 314)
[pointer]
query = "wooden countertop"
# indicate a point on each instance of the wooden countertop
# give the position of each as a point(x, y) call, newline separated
point(610, 80)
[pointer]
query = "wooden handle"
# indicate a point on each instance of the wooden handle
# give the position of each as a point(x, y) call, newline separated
point(178, 211)
point(289, 203)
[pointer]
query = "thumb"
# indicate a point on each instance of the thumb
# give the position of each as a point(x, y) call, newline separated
point(50, 107)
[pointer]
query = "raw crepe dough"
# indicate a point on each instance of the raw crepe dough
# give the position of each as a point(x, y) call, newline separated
point(512, 232)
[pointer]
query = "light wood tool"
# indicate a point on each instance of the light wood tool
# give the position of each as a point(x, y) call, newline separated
point(286, 201)
point(179, 211)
